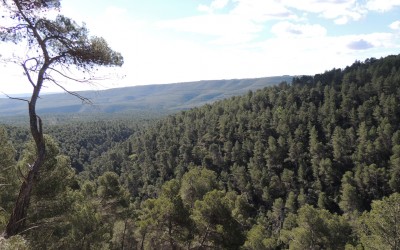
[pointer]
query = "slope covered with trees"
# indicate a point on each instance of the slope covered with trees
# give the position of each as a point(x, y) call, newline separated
point(325, 145)
point(312, 133)
point(311, 164)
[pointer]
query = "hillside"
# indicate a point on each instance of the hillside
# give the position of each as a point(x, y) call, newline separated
point(168, 97)
point(326, 146)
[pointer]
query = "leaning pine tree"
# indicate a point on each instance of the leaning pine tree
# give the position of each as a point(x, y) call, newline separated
point(56, 47)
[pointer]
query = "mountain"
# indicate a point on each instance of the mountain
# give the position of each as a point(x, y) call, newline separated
point(168, 97)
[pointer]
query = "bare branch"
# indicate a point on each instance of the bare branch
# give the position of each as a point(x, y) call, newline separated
point(35, 67)
point(10, 33)
point(27, 73)
point(14, 98)
point(85, 80)
point(69, 77)
point(82, 98)
point(56, 58)
point(65, 41)
point(30, 228)
point(32, 28)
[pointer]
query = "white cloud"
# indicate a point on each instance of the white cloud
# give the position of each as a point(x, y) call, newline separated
point(225, 28)
point(342, 20)
point(242, 23)
point(369, 42)
point(395, 25)
point(341, 11)
point(287, 29)
point(245, 21)
point(262, 10)
point(215, 5)
point(203, 8)
point(219, 4)
point(311, 55)
point(382, 5)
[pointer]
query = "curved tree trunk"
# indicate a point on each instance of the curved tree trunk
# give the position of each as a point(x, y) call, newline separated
point(17, 219)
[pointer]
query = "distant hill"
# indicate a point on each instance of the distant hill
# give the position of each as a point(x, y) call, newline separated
point(169, 97)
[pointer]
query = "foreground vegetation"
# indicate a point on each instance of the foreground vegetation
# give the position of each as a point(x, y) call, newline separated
point(314, 164)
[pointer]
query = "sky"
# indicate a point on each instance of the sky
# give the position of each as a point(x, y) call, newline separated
point(189, 40)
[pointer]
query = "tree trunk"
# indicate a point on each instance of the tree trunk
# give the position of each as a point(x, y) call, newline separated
point(123, 234)
point(17, 219)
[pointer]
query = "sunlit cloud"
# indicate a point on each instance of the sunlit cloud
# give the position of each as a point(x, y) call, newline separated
point(341, 11)
point(262, 10)
point(288, 29)
point(215, 5)
point(223, 28)
point(382, 5)
point(395, 25)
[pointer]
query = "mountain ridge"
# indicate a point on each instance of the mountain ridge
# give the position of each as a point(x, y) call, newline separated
point(174, 96)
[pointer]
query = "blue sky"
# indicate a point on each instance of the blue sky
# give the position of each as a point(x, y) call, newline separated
point(188, 40)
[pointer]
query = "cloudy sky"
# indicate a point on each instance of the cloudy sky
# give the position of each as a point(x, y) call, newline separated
point(166, 41)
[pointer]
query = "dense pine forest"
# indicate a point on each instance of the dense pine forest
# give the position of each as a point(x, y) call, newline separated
point(309, 164)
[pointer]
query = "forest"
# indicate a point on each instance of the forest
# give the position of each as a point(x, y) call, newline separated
point(309, 164)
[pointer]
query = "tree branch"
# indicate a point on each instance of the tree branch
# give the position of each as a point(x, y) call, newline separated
point(82, 98)
point(59, 38)
point(27, 72)
point(32, 27)
point(89, 80)
point(14, 98)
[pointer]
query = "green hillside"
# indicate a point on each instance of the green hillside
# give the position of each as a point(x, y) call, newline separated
point(325, 146)
point(166, 97)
